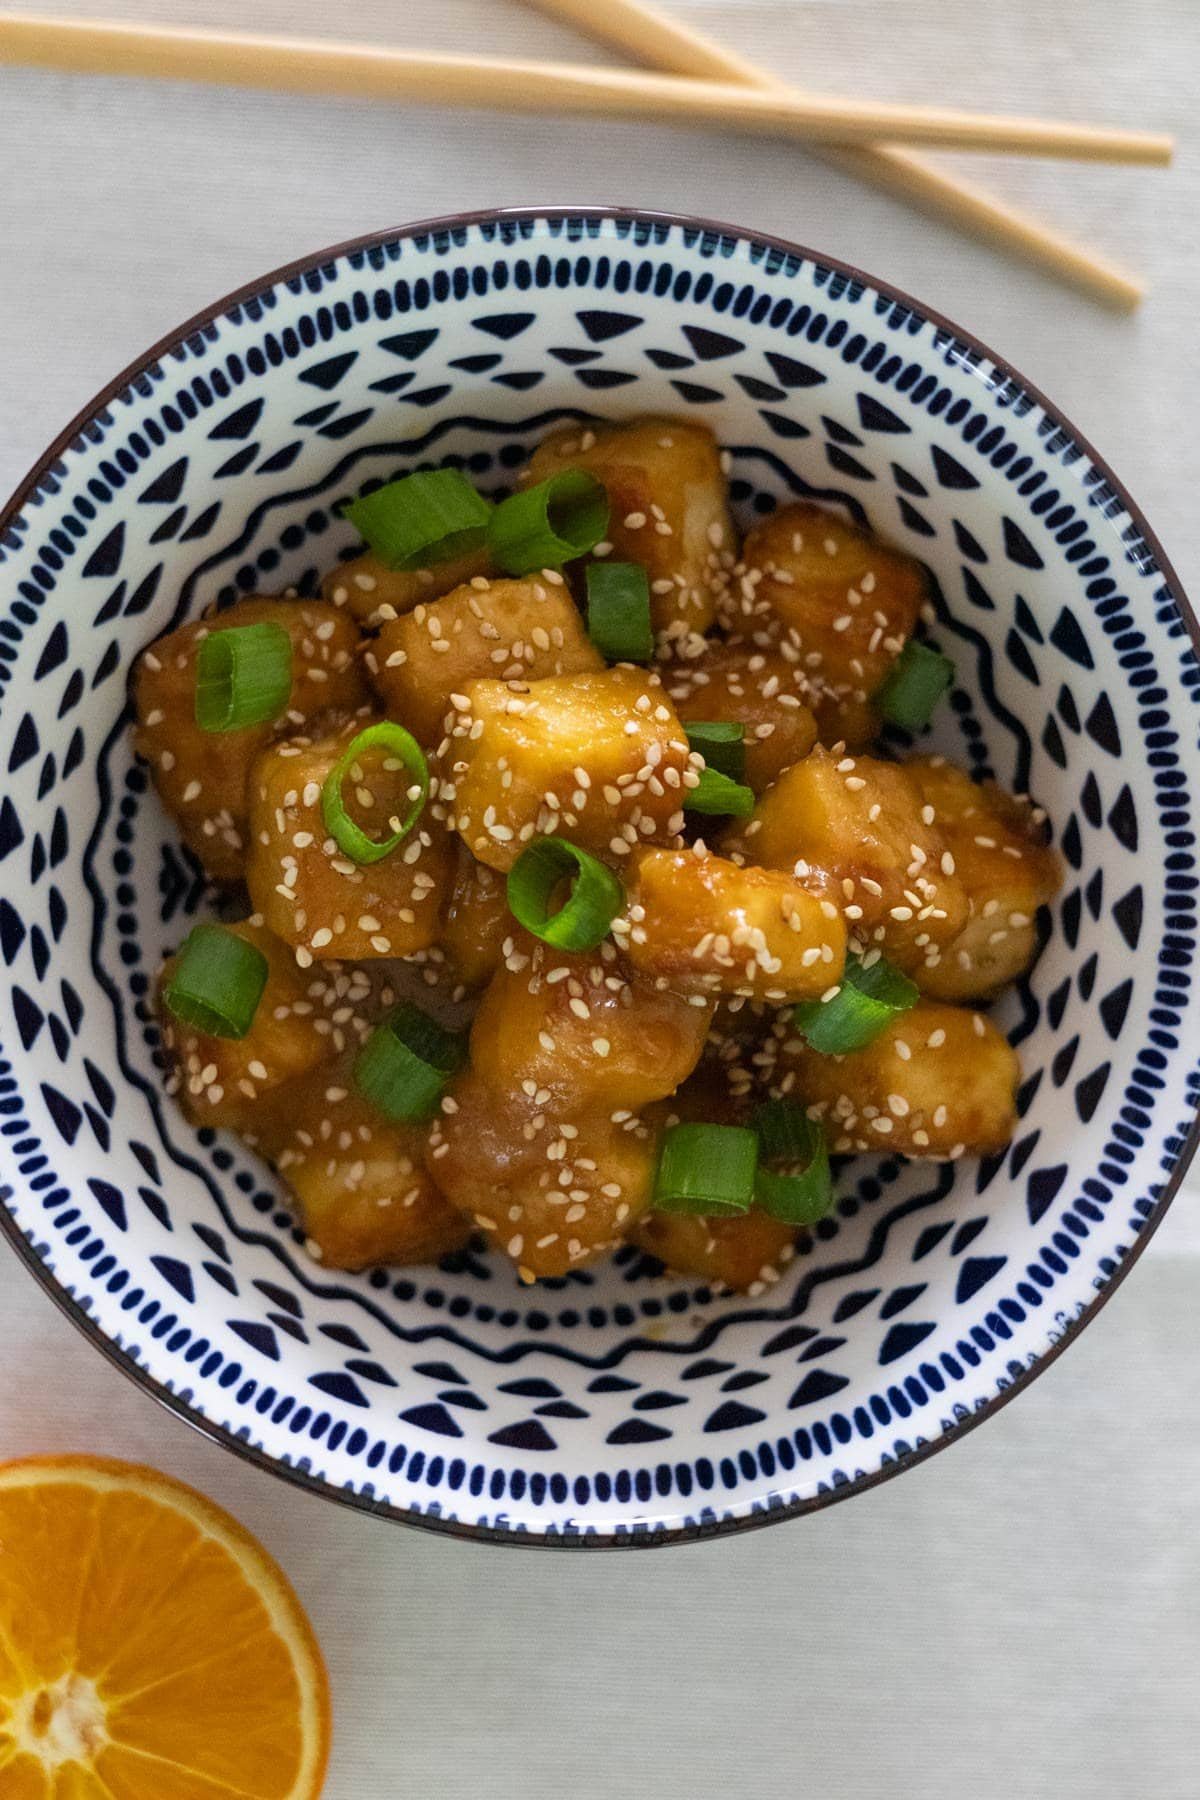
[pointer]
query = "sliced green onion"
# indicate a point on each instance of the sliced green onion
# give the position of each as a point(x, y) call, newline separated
point(618, 611)
point(722, 744)
point(804, 1192)
point(406, 1062)
point(550, 524)
point(717, 794)
point(218, 982)
point(865, 1004)
point(915, 683)
point(243, 676)
point(595, 899)
point(430, 517)
point(706, 1169)
point(401, 750)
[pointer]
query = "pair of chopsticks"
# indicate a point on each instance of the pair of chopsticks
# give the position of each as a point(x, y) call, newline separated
point(664, 43)
point(710, 88)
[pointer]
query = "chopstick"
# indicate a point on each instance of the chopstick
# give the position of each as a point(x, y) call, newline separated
point(668, 44)
point(301, 65)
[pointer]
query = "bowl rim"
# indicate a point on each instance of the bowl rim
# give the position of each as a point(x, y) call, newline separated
point(668, 1535)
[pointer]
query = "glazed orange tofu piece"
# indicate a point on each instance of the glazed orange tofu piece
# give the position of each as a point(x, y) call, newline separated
point(747, 1253)
point(863, 826)
point(1008, 870)
point(373, 593)
point(846, 601)
point(553, 1191)
point(501, 630)
point(301, 1020)
point(359, 1180)
point(600, 757)
point(201, 776)
point(308, 890)
point(475, 922)
point(540, 1140)
point(938, 1083)
point(763, 690)
point(668, 504)
point(704, 925)
point(583, 1029)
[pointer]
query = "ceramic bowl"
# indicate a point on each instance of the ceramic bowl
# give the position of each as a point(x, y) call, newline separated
point(618, 1406)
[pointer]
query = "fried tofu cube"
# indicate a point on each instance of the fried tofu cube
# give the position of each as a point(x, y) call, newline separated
point(540, 1141)
point(373, 593)
point(938, 1083)
point(848, 603)
point(759, 689)
point(308, 890)
point(707, 926)
point(359, 1180)
point(201, 776)
point(579, 1028)
point(552, 1189)
point(501, 630)
point(859, 823)
point(226, 1081)
point(1008, 870)
point(601, 757)
point(669, 509)
point(475, 922)
point(747, 1253)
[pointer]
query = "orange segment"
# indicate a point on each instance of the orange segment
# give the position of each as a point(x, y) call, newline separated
point(149, 1648)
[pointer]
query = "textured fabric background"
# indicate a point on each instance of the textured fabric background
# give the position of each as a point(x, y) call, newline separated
point(1019, 1618)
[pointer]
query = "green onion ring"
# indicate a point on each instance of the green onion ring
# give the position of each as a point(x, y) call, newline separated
point(545, 526)
point(915, 683)
point(618, 611)
point(426, 518)
point(243, 676)
point(350, 838)
point(706, 1169)
point(865, 1004)
point(596, 896)
point(717, 794)
point(217, 983)
point(722, 744)
point(406, 1063)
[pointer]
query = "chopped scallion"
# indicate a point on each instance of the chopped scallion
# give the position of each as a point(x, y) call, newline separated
point(596, 895)
point(717, 794)
point(867, 1001)
point(217, 982)
point(401, 751)
point(801, 1191)
point(243, 676)
point(545, 526)
point(405, 1064)
point(618, 611)
point(915, 683)
point(706, 1169)
point(426, 518)
point(722, 744)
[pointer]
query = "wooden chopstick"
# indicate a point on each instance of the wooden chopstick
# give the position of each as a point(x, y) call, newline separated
point(667, 44)
point(301, 65)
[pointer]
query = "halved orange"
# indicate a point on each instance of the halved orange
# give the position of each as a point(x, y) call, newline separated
point(149, 1648)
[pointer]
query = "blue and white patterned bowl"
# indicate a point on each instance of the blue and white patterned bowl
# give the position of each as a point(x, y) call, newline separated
point(615, 1406)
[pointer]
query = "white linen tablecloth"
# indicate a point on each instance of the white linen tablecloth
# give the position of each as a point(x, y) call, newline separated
point(1019, 1618)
